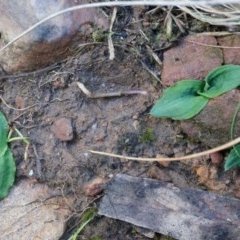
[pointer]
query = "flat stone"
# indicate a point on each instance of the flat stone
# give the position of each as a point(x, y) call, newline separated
point(213, 124)
point(189, 60)
point(62, 128)
point(180, 213)
point(51, 41)
point(231, 55)
point(33, 211)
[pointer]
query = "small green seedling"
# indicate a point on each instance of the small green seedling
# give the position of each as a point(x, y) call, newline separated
point(98, 35)
point(87, 217)
point(147, 135)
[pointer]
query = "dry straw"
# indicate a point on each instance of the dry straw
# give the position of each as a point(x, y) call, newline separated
point(228, 15)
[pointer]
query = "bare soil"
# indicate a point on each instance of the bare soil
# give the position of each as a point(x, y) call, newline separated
point(119, 124)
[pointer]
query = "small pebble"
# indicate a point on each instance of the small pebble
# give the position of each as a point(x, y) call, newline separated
point(136, 124)
point(30, 173)
point(95, 187)
point(62, 128)
point(216, 158)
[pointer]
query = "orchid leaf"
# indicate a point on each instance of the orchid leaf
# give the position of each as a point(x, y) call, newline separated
point(7, 163)
point(221, 80)
point(7, 173)
point(233, 158)
point(180, 101)
point(188, 97)
point(3, 134)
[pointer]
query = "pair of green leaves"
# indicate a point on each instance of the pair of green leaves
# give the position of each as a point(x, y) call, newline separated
point(187, 98)
point(7, 163)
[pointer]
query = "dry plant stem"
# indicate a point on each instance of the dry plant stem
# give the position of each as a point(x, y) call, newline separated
point(46, 69)
point(216, 34)
point(123, 3)
point(217, 149)
point(154, 55)
point(16, 109)
point(210, 45)
point(151, 72)
point(110, 41)
point(106, 95)
point(212, 15)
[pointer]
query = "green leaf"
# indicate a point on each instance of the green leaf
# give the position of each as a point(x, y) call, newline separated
point(3, 134)
point(7, 173)
point(233, 158)
point(221, 80)
point(181, 101)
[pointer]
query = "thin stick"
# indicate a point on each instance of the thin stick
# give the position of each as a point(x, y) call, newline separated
point(121, 3)
point(27, 74)
point(220, 148)
point(110, 41)
point(154, 55)
point(210, 45)
point(16, 109)
point(216, 34)
point(106, 95)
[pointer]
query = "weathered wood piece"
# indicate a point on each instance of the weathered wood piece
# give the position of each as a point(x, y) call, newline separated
point(184, 214)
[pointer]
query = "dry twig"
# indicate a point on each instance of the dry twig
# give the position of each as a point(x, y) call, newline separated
point(217, 149)
point(107, 95)
point(110, 41)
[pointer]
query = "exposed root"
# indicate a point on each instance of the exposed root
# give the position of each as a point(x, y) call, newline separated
point(217, 149)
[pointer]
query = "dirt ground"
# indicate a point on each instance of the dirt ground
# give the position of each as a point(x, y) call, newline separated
point(119, 124)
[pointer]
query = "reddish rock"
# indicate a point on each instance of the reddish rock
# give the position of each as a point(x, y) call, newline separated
point(62, 128)
point(216, 158)
point(190, 60)
point(231, 55)
point(95, 187)
point(49, 42)
point(212, 125)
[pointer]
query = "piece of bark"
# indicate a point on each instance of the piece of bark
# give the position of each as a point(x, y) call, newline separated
point(183, 214)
